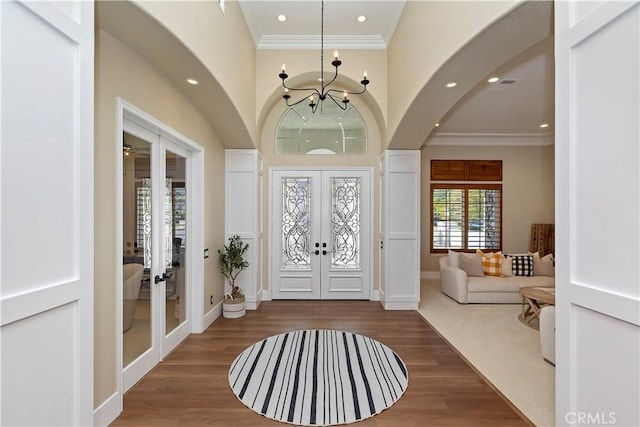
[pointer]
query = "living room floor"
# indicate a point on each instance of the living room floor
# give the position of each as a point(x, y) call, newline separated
point(501, 348)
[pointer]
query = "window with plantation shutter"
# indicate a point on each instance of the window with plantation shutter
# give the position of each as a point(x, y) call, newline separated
point(465, 216)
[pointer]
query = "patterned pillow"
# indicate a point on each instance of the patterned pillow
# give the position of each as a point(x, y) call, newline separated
point(491, 263)
point(522, 265)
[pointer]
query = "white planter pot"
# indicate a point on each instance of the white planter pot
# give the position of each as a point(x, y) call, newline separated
point(233, 308)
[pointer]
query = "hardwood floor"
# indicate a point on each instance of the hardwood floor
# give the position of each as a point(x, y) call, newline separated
point(190, 387)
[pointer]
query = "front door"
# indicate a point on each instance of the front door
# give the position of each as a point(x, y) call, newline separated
point(321, 226)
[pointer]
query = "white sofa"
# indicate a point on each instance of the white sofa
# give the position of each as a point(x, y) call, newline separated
point(486, 289)
point(548, 333)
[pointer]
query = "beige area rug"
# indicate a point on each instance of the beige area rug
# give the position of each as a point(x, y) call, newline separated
point(504, 350)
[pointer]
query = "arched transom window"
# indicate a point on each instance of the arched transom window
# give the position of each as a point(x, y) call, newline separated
point(330, 130)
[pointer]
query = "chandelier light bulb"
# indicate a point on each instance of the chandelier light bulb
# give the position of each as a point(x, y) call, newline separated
point(335, 54)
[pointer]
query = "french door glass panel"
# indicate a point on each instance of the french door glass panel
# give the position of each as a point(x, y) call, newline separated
point(345, 223)
point(296, 223)
point(175, 239)
point(137, 252)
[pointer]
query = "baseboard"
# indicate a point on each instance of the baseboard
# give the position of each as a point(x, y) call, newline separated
point(106, 413)
point(375, 295)
point(390, 305)
point(266, 295)
point(429, 275)
point(212, 315)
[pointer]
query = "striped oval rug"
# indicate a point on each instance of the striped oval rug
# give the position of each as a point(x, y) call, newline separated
point(318, 377)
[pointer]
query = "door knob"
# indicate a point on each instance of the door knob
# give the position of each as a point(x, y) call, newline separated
point(317, 245)
point(324, 252)
point(317, 252)
point(159, 279)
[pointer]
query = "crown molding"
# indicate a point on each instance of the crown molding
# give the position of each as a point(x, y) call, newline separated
point(252, 23)
point(392, 22)
point(313, 42)
point(484, 139)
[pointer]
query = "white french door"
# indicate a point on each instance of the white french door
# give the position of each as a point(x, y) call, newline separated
point(321, 228)
point(156, 225)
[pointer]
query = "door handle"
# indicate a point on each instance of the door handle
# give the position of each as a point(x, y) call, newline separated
point(317, 252)
point(324, 252)
point(159, 279)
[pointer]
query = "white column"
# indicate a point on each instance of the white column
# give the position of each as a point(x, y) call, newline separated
point(243, 216)
point(400, 229)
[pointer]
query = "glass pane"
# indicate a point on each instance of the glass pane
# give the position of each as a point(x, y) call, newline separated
point(175, 235)
point(330, 130)
point(484, 219)
point(345, 223)
point(296, 223)
point(448, 216)
point(136, 257)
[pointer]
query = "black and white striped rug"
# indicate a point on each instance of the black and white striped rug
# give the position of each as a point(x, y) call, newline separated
point(318, 377)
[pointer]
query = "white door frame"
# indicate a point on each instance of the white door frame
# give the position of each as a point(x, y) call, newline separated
point(369, 245)
point(195, 213)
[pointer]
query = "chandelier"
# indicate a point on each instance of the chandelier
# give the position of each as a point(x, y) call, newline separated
point(316, 96)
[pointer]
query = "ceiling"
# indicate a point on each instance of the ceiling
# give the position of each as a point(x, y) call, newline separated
point(514, 107)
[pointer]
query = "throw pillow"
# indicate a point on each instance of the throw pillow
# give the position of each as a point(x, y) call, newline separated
point(491, 264)
point(506, 267)
point(471, 264)
point(544, 267)
point(522, 265)
point(454, 259)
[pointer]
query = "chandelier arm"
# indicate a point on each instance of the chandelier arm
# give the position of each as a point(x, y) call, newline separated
point(306, 98)
point(310, 89)
point(340, 104)
point(346, 91)
point(324, 86)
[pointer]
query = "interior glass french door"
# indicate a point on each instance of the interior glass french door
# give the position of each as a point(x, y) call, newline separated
point(321, 229)
point(155, 236)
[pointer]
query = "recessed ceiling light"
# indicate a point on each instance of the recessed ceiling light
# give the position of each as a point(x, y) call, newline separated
point(282, 18)
point(361, 18)
point(544, 125)
point(192, 81)
point(437, 124)
point(452, 84)
point(493, 79)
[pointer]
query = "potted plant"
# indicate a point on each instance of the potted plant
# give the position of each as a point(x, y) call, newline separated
point(232, 262)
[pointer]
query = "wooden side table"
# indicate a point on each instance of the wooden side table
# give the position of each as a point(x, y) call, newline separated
point(534, 298)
